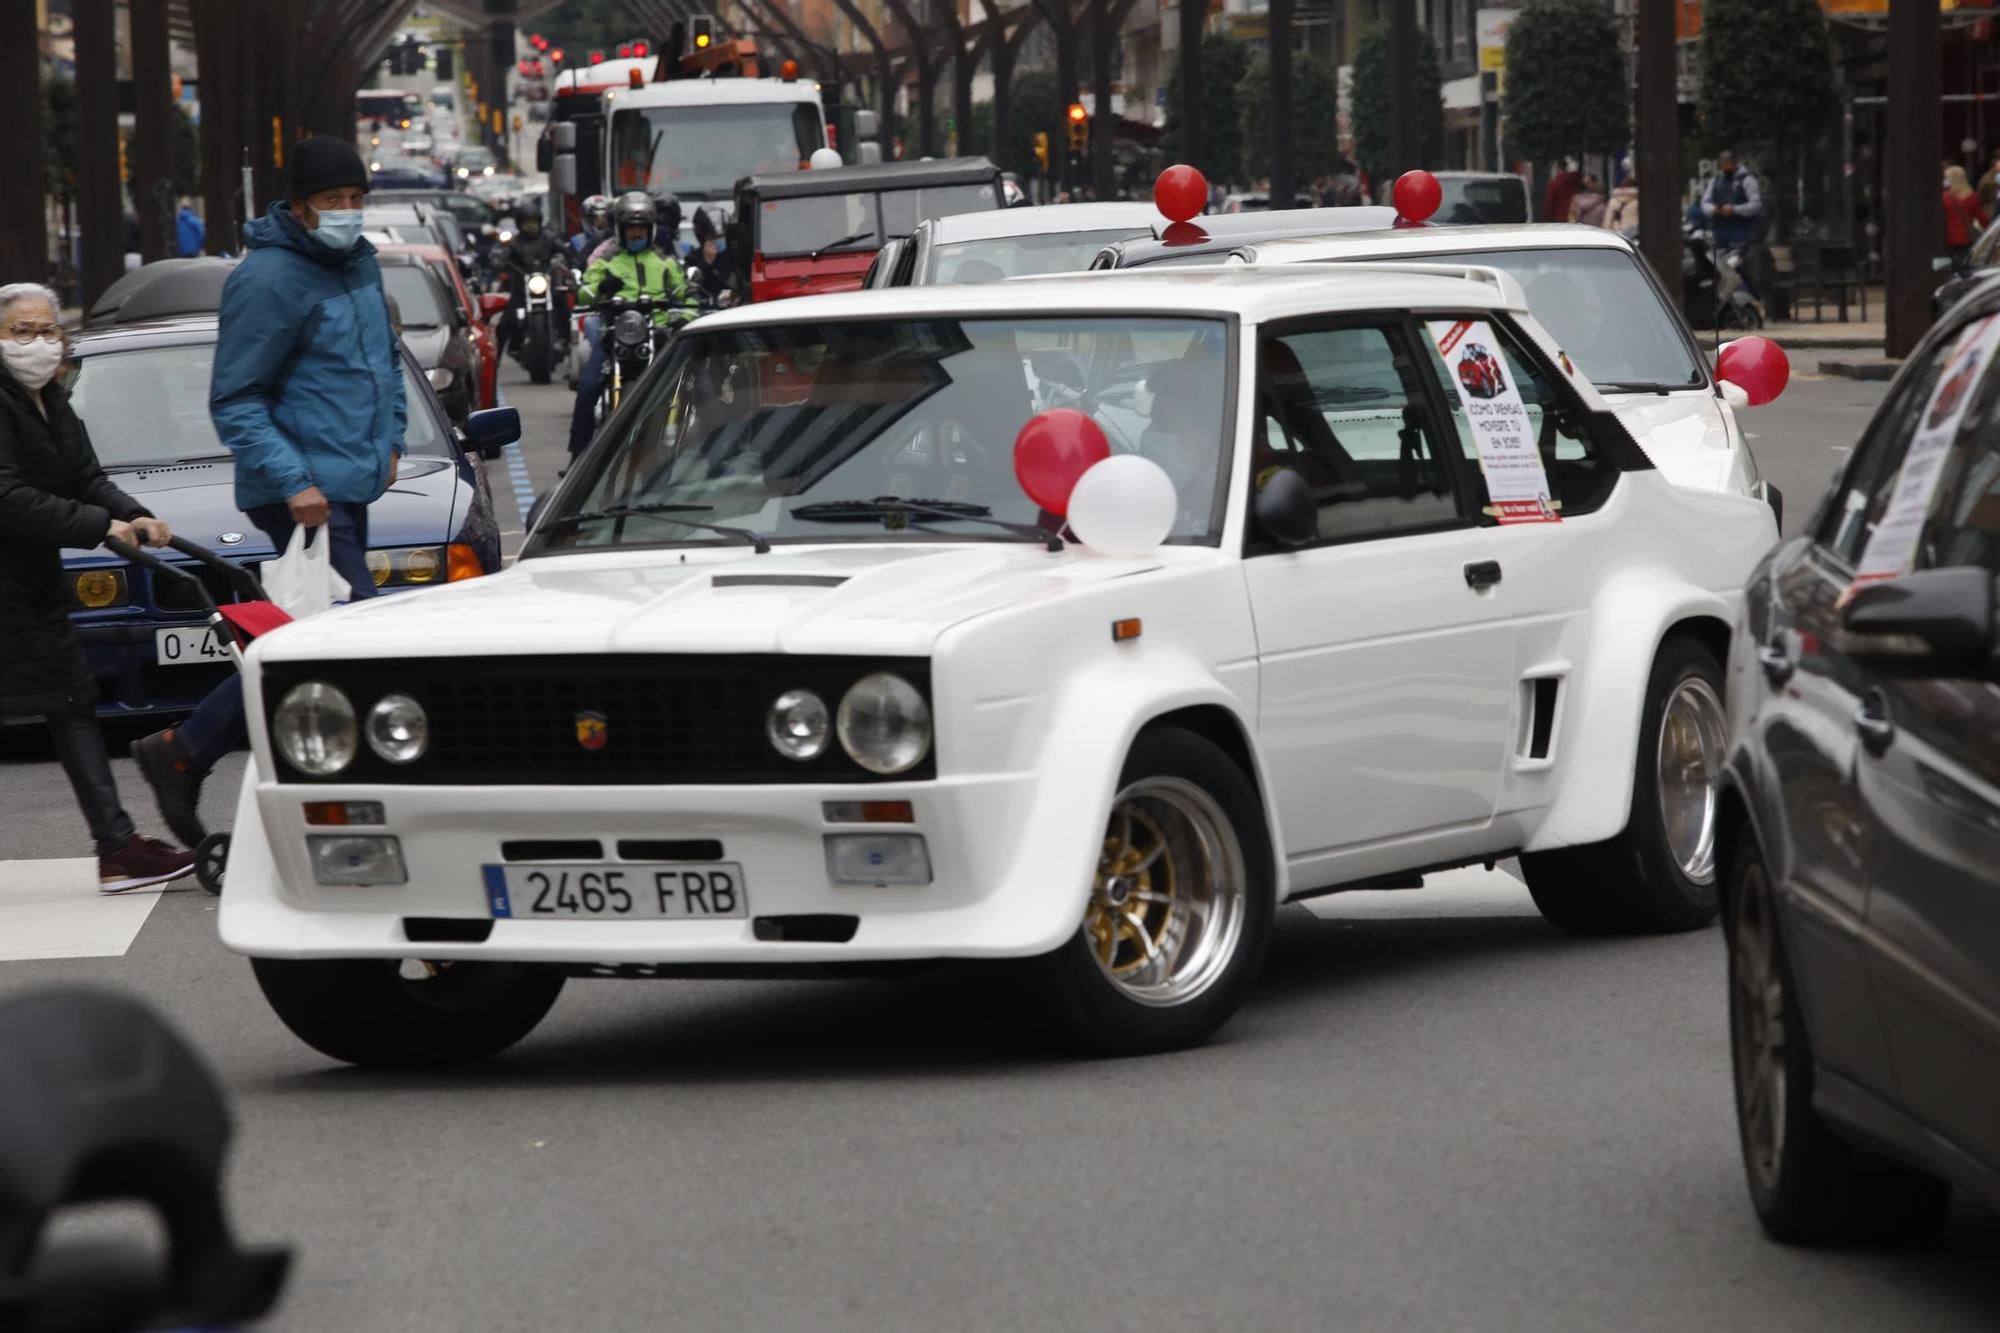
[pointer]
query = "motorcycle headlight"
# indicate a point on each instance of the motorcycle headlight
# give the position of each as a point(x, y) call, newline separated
point(99, 588)
point(537, 285)
point(314, 729)
point(398, 729)
point(630, 328)
point(798, 725)
point(884, 724)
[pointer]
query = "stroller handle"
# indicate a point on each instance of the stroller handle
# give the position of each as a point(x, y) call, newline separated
point(241, 579)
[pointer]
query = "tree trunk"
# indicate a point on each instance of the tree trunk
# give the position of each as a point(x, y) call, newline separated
point(1193, 16)
point(1057, 13)
point(153, 127)
point(1000, 54)
point(1283, 192)
point(927, 75)
point(885, 92)
point(100, 204)
point(1105, 17)
point(24, 235)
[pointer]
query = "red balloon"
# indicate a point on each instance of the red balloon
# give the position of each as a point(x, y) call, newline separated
point(1181, 192)
point(1054, 449)
point(1417, 195)
point(1757, 366)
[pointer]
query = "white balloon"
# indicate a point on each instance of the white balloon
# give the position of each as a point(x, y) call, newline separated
point(825, 157)
point(1123, 505)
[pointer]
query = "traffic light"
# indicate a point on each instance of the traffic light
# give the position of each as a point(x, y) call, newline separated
point(1079, 127)
point(1042, 150)
point(597, 57)
point(640, 50)
point(701, 31)
point(556, 55)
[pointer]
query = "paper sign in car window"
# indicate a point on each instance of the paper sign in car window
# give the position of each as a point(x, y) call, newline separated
point(1892, 547)
point(1516, 482)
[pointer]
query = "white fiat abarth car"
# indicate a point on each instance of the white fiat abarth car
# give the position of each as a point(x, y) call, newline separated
point(802, 667)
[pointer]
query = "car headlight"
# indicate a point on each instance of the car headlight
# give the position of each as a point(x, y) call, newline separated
point(441, 377)
point(486, 171)
point(798, 725)
point(537, 285)
point(463, 173)
point(884, 724)
point(99, 588)
point(314, 729)
point(410, 567)
point(397, 729)
point(374, 166)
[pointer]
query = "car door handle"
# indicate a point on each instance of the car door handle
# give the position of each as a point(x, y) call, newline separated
point(1871, 720)
point(1777, 663)
point(1482, 574)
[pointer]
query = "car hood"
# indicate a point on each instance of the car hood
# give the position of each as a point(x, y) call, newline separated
point(1686, 434)
point(198, 501)
point(427, 345)
point(866, 599)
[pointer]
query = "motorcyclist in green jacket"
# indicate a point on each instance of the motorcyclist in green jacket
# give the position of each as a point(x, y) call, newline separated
point(636, 269)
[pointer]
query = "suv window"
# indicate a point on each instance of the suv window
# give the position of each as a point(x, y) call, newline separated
point(1580, 476)
point(1964, 526)
point(1347, 409)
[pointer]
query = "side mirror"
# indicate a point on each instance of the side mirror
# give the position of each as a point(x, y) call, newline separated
point(493, 304)
point(562, 135)
point(1933, 623)
point(492, 430)
point(562, 174)
point(545, 154)
point(1284, 509)
point(867, 124)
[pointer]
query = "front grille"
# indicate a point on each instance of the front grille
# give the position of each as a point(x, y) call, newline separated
point(170, 594)
point(666, 719)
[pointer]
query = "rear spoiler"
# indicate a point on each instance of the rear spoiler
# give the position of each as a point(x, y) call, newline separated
point(1501, 281)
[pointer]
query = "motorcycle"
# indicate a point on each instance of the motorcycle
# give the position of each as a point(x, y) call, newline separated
point(709, 296)
point(632, 339)
point(543, 318)
point(1714, 291)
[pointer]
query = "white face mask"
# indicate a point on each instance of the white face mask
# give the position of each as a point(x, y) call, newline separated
point(32, 365)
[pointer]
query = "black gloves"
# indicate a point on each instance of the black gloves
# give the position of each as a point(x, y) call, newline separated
point(610, 285)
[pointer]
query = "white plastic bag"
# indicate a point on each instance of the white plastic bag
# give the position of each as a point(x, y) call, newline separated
point(303, 581)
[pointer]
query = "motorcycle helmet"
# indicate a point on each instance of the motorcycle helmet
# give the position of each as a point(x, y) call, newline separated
point(634, 209)
point(669, 227)
point(597, 212)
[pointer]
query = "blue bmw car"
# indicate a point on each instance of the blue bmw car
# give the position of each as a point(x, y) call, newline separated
point(142, 390)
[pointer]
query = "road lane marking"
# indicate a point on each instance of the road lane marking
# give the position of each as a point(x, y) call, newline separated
point(52, 909)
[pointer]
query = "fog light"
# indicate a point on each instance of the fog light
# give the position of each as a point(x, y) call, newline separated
point(356, 860)
point(877, 858)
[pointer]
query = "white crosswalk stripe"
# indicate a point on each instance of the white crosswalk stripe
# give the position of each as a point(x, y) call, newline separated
point(52, 909)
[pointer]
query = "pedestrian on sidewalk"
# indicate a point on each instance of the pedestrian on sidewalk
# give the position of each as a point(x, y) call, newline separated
point(307, 393)
point(1964, 219)
point(1621, 213)
point(54, 495)
point(189, 233)
point(1562, 190)
point(1732, 203)
point(1587, 205)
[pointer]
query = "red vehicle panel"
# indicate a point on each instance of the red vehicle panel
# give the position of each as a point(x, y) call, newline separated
point(799, 275)
point(482, 332)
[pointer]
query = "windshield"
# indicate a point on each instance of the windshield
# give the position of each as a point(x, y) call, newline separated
point(416, 296)
point(761, 428)
point(151, 406)
point(700, 152)
point(1020, 256)
point(808, 223)
point(1467, 201)
point(1601, 310)
point(473, 157)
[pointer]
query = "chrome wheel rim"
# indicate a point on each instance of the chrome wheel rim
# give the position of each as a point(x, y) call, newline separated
point(1757, 1029)
point(1167, 902)
point(1693, 736)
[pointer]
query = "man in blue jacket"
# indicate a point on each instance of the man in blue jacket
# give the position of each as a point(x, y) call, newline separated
point(307, 393)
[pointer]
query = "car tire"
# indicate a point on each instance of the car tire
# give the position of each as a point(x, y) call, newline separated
point(369, 1012)
point(1659, 873)
point(1102, 994)
point(1806, 1184)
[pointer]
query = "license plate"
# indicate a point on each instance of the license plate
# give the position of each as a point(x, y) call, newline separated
point(191, 645)
point(710, 889)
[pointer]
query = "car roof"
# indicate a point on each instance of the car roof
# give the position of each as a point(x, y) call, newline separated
point(153, 333)
point(1041, 220)
point(1218, 232)
point(1243, 290)
point(1441, 240)
point(709, 92)
point(881, 176)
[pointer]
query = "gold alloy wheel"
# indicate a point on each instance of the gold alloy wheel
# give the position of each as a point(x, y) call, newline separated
point(1167, 903)
point(1757, 1028)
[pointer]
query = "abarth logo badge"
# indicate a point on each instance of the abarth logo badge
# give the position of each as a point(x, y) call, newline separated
point(591, 732)
point(232, 539)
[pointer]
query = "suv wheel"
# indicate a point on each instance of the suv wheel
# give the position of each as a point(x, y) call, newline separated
point(1658, 874)
point(1180, 906)
point(369, 1011)
point(1806, 1184)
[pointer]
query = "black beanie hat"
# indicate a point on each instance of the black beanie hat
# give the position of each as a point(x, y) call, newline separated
point(324, 163)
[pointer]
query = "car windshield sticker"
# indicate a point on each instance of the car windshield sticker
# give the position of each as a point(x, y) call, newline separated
point(1892, 547)
point(1501, 431)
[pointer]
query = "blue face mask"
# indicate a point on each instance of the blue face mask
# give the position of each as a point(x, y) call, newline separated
point(636, 243)
point(339, 228)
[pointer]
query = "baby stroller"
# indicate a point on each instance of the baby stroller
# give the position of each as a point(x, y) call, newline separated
point(235, 625)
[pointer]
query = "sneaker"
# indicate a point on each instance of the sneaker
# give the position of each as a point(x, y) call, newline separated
point(176, 784)
point(140, 862)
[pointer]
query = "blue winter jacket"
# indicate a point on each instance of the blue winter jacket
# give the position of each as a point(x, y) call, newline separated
point(308, 386)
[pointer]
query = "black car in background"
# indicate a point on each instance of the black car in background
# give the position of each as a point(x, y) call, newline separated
point(1859, 824)
point(436, 330)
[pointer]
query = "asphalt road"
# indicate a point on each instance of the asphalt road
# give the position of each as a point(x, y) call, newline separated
point(1436, 1113)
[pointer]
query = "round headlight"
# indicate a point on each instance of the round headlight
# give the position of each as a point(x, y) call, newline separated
point(537, 285)
point(630, 328)
point(884, 724)
point(420, 565)
point(378, 567)
point(398, 729)
point(98, 588)
point(314, 729)
point(799, 725)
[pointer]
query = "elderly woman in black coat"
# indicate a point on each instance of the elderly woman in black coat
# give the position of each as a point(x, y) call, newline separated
point(53, 495)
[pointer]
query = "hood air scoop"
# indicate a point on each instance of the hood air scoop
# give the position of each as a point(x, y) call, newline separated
point(778, 580)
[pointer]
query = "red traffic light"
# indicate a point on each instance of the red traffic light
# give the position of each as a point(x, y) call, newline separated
point(1077, 113)
point(640, 50)
point(597, 57)
point(524, 67)
point(539, 42)
point(624, 50)
point(557, 55)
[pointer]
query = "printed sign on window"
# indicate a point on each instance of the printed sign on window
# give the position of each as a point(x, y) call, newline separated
point(1515, 479)
point(1892, 547)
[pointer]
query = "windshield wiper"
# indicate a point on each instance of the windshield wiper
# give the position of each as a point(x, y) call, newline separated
point(845, 240)
point(1640, 386)
point(668, 511)
point(882, 506)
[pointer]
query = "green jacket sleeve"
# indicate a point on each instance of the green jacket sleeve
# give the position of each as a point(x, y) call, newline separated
point(587, 293)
